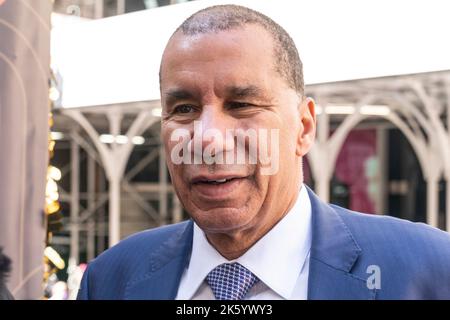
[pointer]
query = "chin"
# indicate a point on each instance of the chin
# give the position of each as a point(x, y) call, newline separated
point(224, 219)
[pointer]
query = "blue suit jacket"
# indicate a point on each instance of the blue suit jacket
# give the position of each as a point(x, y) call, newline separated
point(411, 260)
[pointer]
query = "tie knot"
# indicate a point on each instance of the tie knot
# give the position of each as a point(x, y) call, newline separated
point(231, 281)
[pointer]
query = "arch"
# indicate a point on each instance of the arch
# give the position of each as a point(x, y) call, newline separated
point(350, 122)
point(438, 127)
point(324, 154)
point(114, 159)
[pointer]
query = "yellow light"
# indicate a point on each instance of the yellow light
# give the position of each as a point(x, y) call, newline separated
point(53, 94)
point(138, 140)
point(55, 135)
point(51, 190)
point(54, 196)
point(52, 207)
point(54, 257)
point(48, 201)
point(51, 146)
point(54, 173)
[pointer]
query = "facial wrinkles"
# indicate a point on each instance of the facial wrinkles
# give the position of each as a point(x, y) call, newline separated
point(206, 74)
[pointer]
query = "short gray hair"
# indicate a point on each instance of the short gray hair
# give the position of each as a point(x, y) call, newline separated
point(226, 17)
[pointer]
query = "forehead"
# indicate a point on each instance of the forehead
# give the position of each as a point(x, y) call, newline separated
point(243, 50)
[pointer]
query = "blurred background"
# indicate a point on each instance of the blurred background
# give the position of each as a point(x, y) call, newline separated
point(81, 161)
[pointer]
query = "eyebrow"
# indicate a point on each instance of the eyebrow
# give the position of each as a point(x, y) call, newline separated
point(178, 94)
point(235, 92)
point(250, 91)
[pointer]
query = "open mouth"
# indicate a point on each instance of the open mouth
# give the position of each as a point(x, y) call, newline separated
point(218, 188)
point(215, 182)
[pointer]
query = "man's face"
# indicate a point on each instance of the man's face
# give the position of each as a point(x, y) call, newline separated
point(227, 81)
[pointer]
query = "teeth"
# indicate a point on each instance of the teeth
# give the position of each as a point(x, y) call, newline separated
point(216, 181)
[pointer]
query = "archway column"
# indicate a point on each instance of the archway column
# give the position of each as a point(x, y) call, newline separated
point(114, 158)
point(321, 168)
point(325, 151)
point(447, 203)
point(433, 201)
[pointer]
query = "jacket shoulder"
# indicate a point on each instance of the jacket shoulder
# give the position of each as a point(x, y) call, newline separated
point(144, 241)
point(107, 275)
point(413, 258)
point(389, 230)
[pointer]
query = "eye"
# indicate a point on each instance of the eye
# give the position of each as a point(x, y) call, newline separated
point(184, 108)
point(238, 105)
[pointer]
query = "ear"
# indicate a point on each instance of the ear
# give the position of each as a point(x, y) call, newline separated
point(307, 132)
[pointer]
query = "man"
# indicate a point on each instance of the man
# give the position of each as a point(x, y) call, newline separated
point(231, 78)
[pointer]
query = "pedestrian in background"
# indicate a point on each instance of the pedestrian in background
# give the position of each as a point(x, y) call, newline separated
point(5, 267)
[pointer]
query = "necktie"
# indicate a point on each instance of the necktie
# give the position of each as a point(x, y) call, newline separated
point(231, 281)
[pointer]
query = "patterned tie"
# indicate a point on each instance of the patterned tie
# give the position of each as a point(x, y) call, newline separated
point(231, 281)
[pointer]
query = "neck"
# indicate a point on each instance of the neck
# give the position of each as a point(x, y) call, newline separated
point(232, 245)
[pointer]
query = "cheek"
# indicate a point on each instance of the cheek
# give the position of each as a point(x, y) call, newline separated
point(288, 140)
point(289, 131)
point(174, 138)
point(281, 135)
point(176, 171)
point(165, 138)
point(166, 133)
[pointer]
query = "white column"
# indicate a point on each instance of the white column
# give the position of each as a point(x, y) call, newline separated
point(101, 221)
point(115, 177)
point(447, 195)
point(114, 210)
point(99, 9)
point(90, 250)
point(382, 173)
point(432, 201)
point(115, 158)
point(120, 7)
point(447, 204)
point(324, 167)
point(177, 209)
point(323, 187)
point(74, 202)
point(162, 186)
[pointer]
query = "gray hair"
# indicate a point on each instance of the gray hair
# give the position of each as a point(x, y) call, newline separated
point(226, 17)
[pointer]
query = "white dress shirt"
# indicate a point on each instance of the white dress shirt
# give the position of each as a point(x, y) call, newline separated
point(280, 259)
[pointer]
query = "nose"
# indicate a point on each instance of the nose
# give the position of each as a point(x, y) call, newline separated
point(214, 131)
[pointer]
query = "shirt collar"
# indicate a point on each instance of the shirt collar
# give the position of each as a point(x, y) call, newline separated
point(276, 259)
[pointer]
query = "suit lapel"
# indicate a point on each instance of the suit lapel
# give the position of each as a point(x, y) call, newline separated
point(334, 252)
point(166, 267)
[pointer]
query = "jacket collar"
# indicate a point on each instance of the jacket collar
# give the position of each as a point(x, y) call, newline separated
point(334, 252)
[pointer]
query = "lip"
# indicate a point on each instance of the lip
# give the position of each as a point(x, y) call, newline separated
point(218, 192)
point(202, 178)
